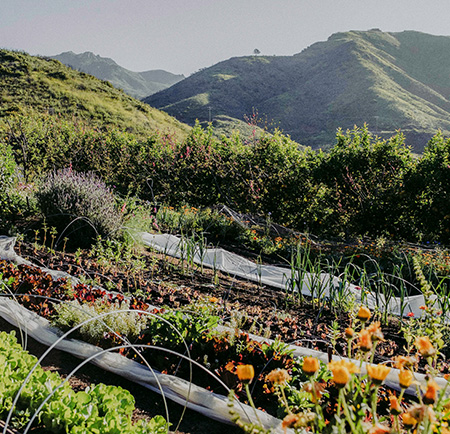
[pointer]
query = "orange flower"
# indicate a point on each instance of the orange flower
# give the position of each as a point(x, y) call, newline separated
point(395, 405)
point(349, 332)
point(341, 375)
point(405, 378)
point(290, 421)
point(245, 372)
point(402, 362)
point(365, 340)
point(424, 346)
point(430, 395)
point(310, 365)
point(378, 373)
point(408, 421)
point(315, 389)
point(375, 331)
point(363, 314)
point(278, 376)
point(350, 366)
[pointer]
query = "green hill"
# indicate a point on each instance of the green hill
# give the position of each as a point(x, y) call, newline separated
point(390, 81)
point(36, 84)
point(136, 84)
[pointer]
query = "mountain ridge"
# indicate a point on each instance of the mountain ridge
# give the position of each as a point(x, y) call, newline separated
point(136, 84)
point(33, 84)
point(390, 81)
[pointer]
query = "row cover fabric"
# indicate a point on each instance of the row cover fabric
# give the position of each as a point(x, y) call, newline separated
point(204, 402)
point(279, 277)
point(178, 390)
point(316, 285)
point(182, 392)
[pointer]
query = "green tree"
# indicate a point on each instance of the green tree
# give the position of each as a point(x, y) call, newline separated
point(365, 175)
point(428, 190)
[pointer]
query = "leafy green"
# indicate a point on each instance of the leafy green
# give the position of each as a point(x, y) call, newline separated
point(99, 409)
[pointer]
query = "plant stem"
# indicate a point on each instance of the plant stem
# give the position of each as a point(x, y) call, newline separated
point(346, 410)
point(250, 400)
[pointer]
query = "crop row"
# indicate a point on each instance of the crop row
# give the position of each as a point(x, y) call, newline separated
point(308, 395)
point(31, 397)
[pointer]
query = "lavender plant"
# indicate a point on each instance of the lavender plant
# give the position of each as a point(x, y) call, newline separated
point(78, 205)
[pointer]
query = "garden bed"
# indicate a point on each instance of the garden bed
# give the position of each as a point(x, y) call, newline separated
point(171, 285)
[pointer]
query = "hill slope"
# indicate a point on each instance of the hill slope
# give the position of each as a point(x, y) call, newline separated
point(136, 84)
point(390, 81)
point(29, 83)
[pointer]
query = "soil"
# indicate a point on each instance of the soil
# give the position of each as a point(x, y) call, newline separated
point(264, 310)
point(273, 311)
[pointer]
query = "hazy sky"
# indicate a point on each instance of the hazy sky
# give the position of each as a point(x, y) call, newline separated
point(182, 36)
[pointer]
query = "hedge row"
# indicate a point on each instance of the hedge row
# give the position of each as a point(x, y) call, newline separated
point(361, 186)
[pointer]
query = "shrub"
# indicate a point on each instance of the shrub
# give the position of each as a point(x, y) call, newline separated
point(7, 167)
point(78, 205)
point(364, 176)
point(428, 191)
point(7, 170)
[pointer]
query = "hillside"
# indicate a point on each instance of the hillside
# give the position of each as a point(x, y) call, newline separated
point(136, 84)
point(30, 83)
point(390, 81)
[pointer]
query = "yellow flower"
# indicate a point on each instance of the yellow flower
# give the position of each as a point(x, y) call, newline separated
point(363, 314)
point(405, 378)
point(430, 394)
point(278, 376)
point(310, 365)
point(245, 372)
point(365, 340)
point(378, 373)
point(424, 346)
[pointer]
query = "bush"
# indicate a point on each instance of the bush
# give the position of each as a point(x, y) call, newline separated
point(7, 170)
point(428, 191)
point(79, 205)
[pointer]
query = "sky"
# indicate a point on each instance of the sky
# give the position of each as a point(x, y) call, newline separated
point(183, 36)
